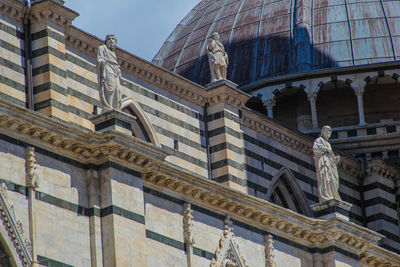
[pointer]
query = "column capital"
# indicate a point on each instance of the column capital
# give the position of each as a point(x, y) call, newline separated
point(312, 96)
point(359, 91)
point(270, 102)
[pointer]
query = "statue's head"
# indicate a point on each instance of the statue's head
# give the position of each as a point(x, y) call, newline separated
point(111, 41)
point(215, 36)
point(326, 132)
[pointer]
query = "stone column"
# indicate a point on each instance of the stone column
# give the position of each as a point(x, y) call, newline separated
point(32, 184)
point(270, 104)
point(94, 219)
point(360, 101)
point(312, 97)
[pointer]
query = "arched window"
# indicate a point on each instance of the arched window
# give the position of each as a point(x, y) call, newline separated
point(141, 127)
point(382, 99)
point(337, 105)
point(284, 191)
point(293, 108)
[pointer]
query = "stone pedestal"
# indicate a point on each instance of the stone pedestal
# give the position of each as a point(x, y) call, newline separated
point(332, 208)
point(221, 83)
point(114, 120)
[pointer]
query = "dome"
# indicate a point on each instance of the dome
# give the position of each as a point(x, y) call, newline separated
point(270, 38)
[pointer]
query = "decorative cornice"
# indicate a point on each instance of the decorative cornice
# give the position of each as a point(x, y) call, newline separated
point(158, 77)
point(13, 9)
point(274, 219)
point(14, 227)
point(85, 147)
point(228, 95)
point(51, 11)
point(377, 257)
point(94, 148)
point(381, 168)
point(294, 140)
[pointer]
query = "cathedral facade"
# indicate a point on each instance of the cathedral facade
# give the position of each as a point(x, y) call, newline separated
point(189, 173)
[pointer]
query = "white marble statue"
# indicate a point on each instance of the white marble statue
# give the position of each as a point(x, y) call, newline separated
point(325, 164)
point(217, 58)
point(109, 75)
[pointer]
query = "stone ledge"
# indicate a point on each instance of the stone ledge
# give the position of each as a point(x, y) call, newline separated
point(332, 208)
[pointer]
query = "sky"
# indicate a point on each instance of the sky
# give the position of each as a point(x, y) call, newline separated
point(142, 26)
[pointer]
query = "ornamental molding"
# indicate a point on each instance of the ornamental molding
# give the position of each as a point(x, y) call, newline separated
point(307, 231)
point(156, 76)
point(227, 253)
point(96, 148)
point(13, 9)
point(14, 228)
point(380, 168)
point(377, 257)
point(290, 139)
point(51, 11)
point(85, 147)
point(140, 68)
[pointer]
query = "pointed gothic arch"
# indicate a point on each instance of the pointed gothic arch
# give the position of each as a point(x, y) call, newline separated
point(284, 191)
point(142, 128)
point(15, 249)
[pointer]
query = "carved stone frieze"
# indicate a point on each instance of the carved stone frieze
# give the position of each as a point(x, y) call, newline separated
point(380, 168)
point(14, 227)
point(95, 148)
point(13, 9)
point(307, 233)
point(45, 11)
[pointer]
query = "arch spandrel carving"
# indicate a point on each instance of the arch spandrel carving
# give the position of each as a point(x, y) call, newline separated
point(12, 233)
point(286, 180)
point(144, 129)
point(227, 253)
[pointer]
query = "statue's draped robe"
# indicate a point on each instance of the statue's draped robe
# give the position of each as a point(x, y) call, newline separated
point(109, 78)
point(217, 58)
point(327, 174)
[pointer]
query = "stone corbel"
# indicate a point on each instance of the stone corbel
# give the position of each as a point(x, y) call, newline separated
point(13, 9)
point(51, 11)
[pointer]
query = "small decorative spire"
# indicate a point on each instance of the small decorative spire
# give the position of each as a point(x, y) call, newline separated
point(188, 224)
point(269, 251)
point(30, 168)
